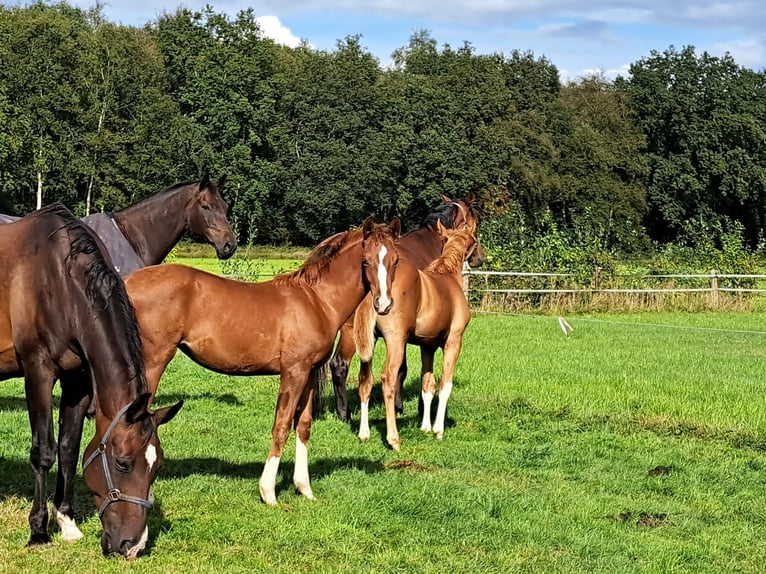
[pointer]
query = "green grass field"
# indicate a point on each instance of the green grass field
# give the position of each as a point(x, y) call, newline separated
point(634, 445)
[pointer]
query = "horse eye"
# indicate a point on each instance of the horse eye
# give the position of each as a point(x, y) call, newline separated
point(365, 263)
point(122, 466)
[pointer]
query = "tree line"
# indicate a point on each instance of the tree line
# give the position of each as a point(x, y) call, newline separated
point(98, 115)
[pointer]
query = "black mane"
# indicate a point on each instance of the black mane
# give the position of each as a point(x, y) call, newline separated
point(104, 289)
point(444, 212)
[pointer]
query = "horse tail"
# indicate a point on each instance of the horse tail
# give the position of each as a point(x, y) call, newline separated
point(317, 378)
point(364, 329)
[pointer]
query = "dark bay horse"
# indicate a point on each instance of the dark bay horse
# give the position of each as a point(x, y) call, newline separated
point(64, 312)
point(145, 232)
point(432, 312)
point(285, 326)
point(419, 248)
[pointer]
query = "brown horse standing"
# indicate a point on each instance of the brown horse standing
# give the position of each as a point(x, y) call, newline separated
point(285, 326)
point(431, 312)
point(419, 248)
point(64, 312)
point(145, 232)
point(155, 224)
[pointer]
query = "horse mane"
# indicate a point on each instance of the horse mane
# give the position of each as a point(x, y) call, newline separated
point(162, 193)
point(453, 255)
point(445, 212)
point(318, 260)
point(104, 289)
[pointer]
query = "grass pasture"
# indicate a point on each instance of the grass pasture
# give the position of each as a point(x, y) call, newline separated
point(635, 445)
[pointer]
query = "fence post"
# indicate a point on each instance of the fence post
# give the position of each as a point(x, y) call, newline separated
point(714, 288)
point(597, 278)
point(466, 273)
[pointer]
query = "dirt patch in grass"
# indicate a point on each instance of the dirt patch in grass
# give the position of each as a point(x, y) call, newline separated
point(407, 464)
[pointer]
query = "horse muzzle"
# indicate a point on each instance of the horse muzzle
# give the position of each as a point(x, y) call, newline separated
point(226, 250)
point(382, 307)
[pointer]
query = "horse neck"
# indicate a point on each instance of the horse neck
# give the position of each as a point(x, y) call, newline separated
point(153, 226)
point(421, 246)
point(341, 288)
point(115, 377)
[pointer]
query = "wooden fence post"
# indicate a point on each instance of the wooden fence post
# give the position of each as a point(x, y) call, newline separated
point(714, 288)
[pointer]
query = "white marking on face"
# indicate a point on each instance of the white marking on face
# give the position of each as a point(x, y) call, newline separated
point(151, 455)
point(140, 545)
point(383, 299)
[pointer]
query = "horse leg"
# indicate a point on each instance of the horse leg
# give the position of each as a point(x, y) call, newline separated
point(292, 384)
point(395, 348)
point(344, 351)
point(451, 352)
point(76, 396)
point(38, 386)
point(365, 389)
point(428, 385)
point(401, 377)
point(156, 359)
point(302, 425)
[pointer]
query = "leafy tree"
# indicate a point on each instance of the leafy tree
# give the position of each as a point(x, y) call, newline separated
point(703, 119)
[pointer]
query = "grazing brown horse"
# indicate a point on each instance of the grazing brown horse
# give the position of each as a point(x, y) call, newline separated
point(431, 312)
point(145, 232)
point(64, 312)
point(285, 326)
point(419, 248)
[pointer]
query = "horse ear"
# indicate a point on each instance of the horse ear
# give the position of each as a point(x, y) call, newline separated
point(440, 228)
point(221, 183)
point(396, 227)
point(470, 199)
point(446, 199)
point(204, 182)
point(367, 228)
point(139, 409)
point(166, 414)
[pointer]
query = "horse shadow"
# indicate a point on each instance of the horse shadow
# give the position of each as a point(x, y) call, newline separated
point(172, 398)
point(175, 469)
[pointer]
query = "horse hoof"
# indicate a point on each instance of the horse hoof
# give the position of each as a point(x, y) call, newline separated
point(439, 435)
point(39, 540)
point(268, 497)
point(394, 444)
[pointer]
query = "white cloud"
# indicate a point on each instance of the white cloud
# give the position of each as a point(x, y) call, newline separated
point(273, 28)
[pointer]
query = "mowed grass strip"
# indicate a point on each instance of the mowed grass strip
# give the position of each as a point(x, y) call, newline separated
point(636, 444)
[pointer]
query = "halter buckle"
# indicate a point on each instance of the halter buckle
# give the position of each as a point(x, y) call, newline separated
point(114, 494)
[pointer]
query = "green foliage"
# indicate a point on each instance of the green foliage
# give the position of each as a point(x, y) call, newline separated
point(314, 141)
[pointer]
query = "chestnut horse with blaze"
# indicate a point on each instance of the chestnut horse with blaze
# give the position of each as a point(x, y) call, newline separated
point(285, 326)
point(431, 312)
point(64, 313)
point(419, 248)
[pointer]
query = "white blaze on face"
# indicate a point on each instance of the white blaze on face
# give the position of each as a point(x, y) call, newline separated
point(384, 298)
point(151, 455)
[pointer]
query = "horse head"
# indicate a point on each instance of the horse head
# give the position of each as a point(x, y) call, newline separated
point(206, 217)
point(119, 469)
point(463, 214)
point(379, 260)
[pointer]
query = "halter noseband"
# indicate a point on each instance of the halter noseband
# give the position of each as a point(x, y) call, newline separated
point(114, 494)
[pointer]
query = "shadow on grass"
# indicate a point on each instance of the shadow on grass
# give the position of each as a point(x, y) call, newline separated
point(318, 469)
point(172, 398)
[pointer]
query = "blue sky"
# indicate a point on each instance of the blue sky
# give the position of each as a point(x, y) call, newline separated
point(578, 36)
